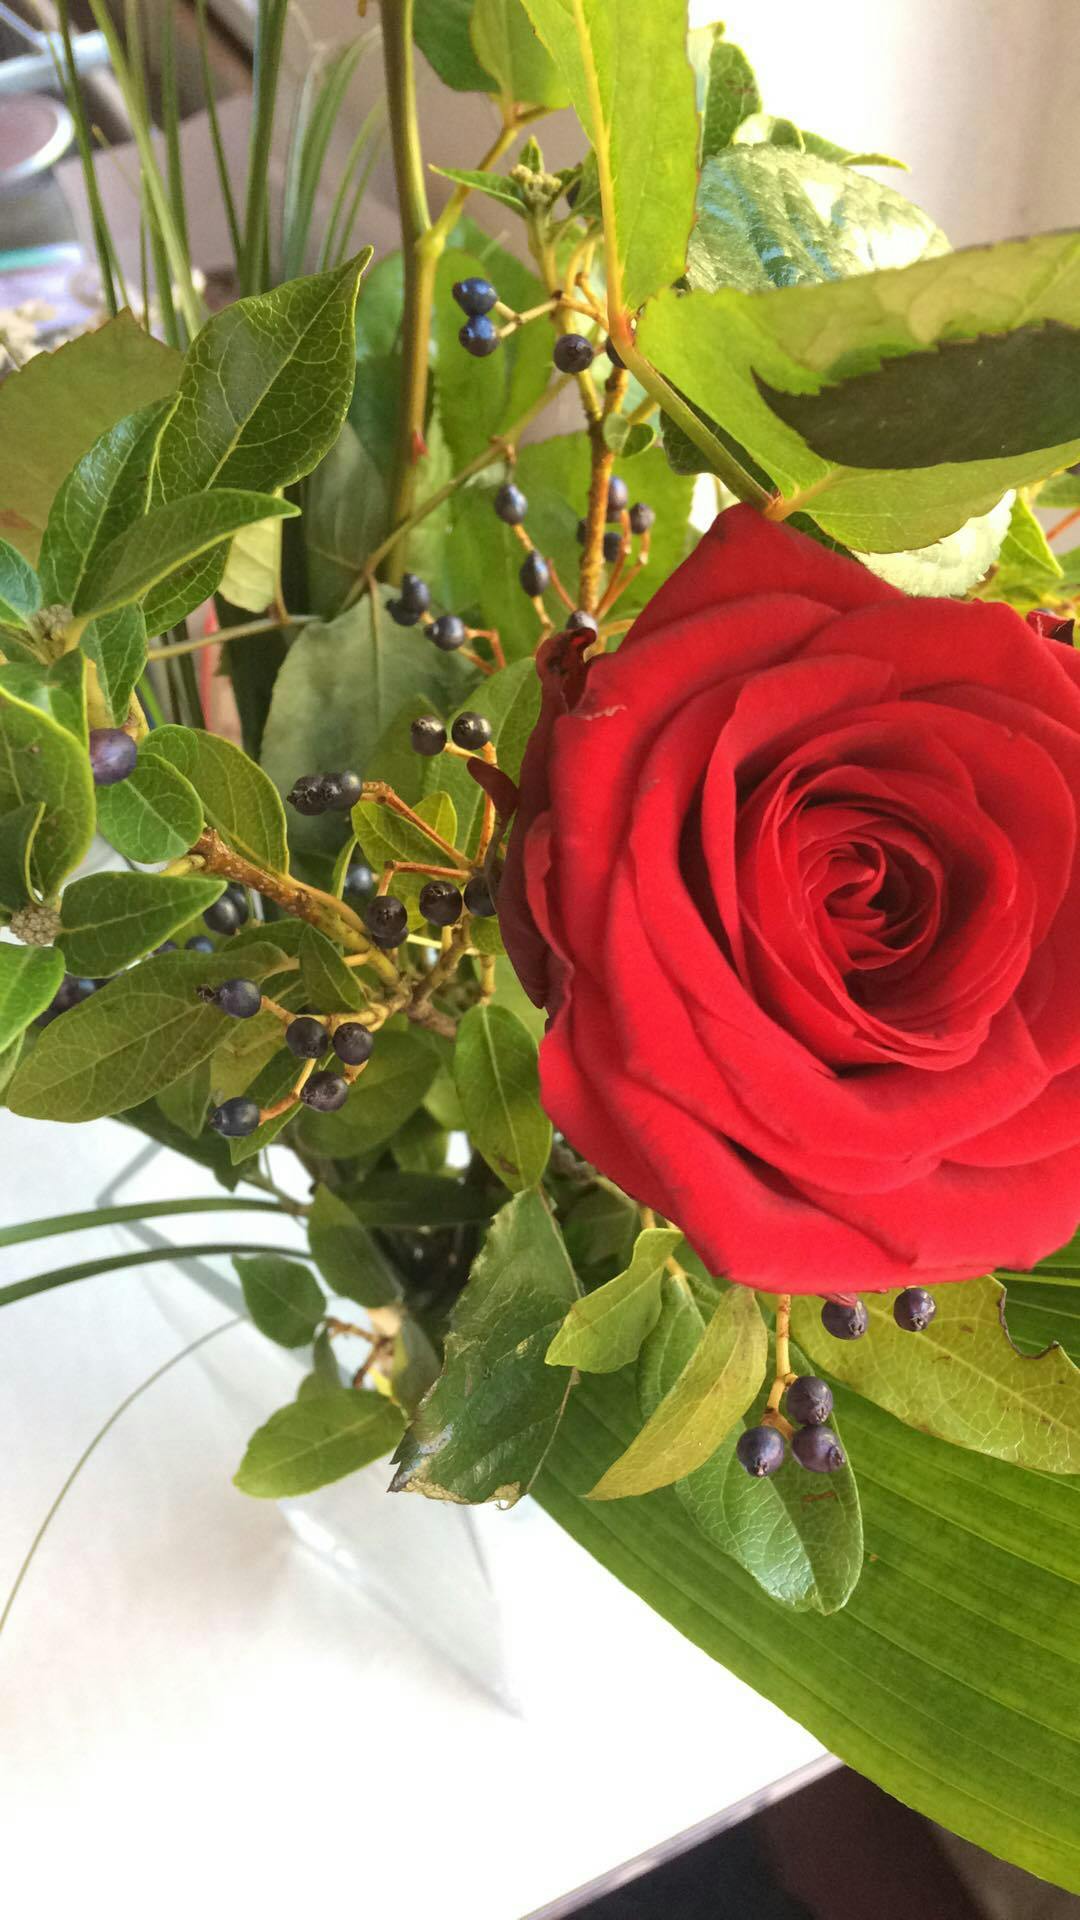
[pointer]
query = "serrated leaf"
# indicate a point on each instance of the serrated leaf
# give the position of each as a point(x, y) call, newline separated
point(496, 1075)
point(132, 1038)
point(601, 1228)
point(20, 589)
point(110, 919)
point(727, 89)
point(116, 643)
point(155, 814)
point(282, 1296)
point(713, 1390)
point(17, 830)
point(391, 1087)
point(350, 1261)
point(316, 1440)
point(961, 1379)
point(951, 565)
point(29, 977)
point(484, 1428)
point(152, 550)
point(265, 387)
point(605, 1329)
point(238, 799)
point(40, 761)
point(330, 985)
point(105, 492)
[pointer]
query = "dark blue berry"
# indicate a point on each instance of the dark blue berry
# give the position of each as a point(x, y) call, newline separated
point(341, 791)
point(440, 902)
point(818, 1449)
point(448, 632)
point(613, 354)
point(306, 1037)
point(72, 989)
point(478, 897)
point(325, 1092)
point(914, 1309)
point(239, 897)
point(113, 754)
point(428, 735)
point(760, 1450)
point(353, 1043)
point(308, 794)
point(809, 1401)
point(534, 574)
point(471, 731)
point(612, 547)
point(479, 337)
point(581, 622)
point(235, 1118)
point(642, 517)
point(845, 1319)
point(415, 593)
point(573, 353)
point(618, 495)
point(240, 998)
point(510, 504)
point(359, 878)
point(402, 615)
point(199, 944)
point(386, 919)
point(223, 916)
point(474, 295)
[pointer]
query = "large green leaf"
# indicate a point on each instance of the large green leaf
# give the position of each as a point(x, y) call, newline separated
point(932, 1681)
point(345, 517)
point(155, 814)
point(131, 1038)
point(282, 1296)
point(391, 1087)
point(149, 552)
point(17, 830)
point(605, 1329)
point(318, 1439)
point(632, 88)
point(441, 31)
point(422, 1200)
point(238, 798)
point(40, 761)
point(962, 1379)
point(484, 1428)
point(110, 919)
point(506, 46)
point(58, 691)
point(495, 1071)
point(350, 1261)
point(20, 589)
point(29, 977)
point(102, 495)
point(265, 388)
point(54, 408)
point(116, 643)
point(330, 985)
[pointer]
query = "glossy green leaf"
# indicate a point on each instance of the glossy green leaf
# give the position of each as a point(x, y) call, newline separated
point(105, 492)
point(1061, 490)
point(507, 48)
point(441, 31)
point(605, 1329)
point(150, 551)
point(40, 761)
point(484, 1428)
point(155, 814)
point(272, 1083)
point(110, 919)
point(712, 1392)
point(421, 1145)
point(17, 830)
point(495, 1071)
point(729, 92)
point(20, 589)
point(116, 643)
point(391, 1087)
point(55, 407)
point(282, 1296)
point(962, 1379)
point(265, 388)
point(252, 575)
point(237, 797)
point(59, 691)
point(601, 1229)
point(29, 977)
point(350, 1261)
point(131, 1038)
point(316, 1440)
point(330, 985)
point(630, 82)
point(186, 1102)
point(932, 1679)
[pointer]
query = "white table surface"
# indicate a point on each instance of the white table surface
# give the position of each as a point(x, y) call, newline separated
point(195, 1709)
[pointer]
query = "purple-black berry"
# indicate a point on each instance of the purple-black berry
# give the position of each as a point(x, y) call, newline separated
point(474, 295)
point(471, 731)
point(401, 615)
point(809, 1401)
point(914, 1309)
point(353, 1043)
point(308, 794)
point(239, 998)
point(223, 916)
point(760, 1450)
point(818, 1450)
point(415, 593)
point(428, 735)
point(618, 495)
point(72, 989)
point(235, 1118)
point(341, 791)
point(510, 504)
point(642, 517)
point(199, 944)
point(386, 919)
point(479, 337)
point(613, 354)
point(440, 902)
point(359, 878)
point(612, 547)
point(113, 754)
point(573, 353)
point(845, 1319)
point(306, 1037)
point(325, 1092)
point(478, 897)
point(534, 574)
point(448, 632)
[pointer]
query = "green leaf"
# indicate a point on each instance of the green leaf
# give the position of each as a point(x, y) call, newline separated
point(1061, 490)
point(929, 1681)
point(238, 798)
point(497, 186)
point(951, 565)
point(185, 1103)
point(272, 1082)
point(131, 1038)
point(59, 691)
point(40, 761)
point(391, 1087)
point(20, 589)
point(110, 919)
point(605, 1330)
point(848, 156)
point(316, 1440)
point(727, 85)
point(712, 1391)
point(116, 643)
point(510, 699)
point(29, 977)
point(329, 984)
point(441, 31)
point(383, 835)
point(636, 69)
point(420, 1200)
point(17, 830)
point(310, 725)
point(155, 814)
point(348, 1258)
point(345, 517)
point(55, 407)
point(484, 1428)
point(420, 1147)
point(505, 44)
point(766, 129)
point(265, 388)
point(105, 492)
point(495, 1071)
point(153, 549)
point(962, 1379)
point(282, 1296)
point(601, 1229)
point(252, 575)
point(1027, 569)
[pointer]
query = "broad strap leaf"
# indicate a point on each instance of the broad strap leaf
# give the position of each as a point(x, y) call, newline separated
point(155, 814)
point(107, 490)
point(42, 763)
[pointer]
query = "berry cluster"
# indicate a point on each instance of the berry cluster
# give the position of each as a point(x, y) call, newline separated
point(315, 793)
point(847, 1319)
point(447, 631)
point(809, 1402)
point(479, 335)
point(307, 1038)
point(638, 520)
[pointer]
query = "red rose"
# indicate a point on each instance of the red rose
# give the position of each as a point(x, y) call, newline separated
point(795, 875)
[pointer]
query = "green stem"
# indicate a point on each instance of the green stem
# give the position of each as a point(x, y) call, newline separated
point(243, 631)
point(266, 67)
point(216, 141)
point(112, 1263)
point(69, 78)
point(133, 1210)
point(420, 258)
